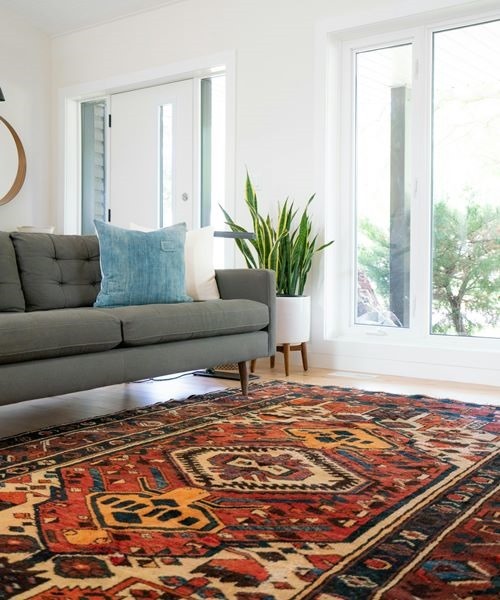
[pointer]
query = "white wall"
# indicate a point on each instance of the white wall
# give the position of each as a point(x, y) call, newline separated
point(25, 81)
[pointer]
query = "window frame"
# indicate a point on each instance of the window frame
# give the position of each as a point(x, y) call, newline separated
point(419, 331)
point(349, 53)
point(349, 49)
point(335, 345)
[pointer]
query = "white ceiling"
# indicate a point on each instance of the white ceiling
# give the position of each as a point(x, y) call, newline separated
point(56, 17)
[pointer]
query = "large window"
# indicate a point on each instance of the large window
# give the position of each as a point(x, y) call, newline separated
point(426, 135)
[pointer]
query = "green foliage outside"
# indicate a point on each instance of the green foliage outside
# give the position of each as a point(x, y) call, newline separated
point(466, 274)
point(374, 258)
point(466, 266)
point(284, 247)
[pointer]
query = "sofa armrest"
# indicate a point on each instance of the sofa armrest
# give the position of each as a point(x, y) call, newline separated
point(251, 284)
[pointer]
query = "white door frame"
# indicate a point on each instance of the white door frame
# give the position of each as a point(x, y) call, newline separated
point(67, 163)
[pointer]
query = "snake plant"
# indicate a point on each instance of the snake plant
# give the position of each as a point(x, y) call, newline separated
point(284, 247)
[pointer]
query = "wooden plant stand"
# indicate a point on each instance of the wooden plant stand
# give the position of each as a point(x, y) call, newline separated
point(286, 349)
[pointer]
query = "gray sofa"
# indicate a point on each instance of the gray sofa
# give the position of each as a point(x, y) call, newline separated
point(53, 341)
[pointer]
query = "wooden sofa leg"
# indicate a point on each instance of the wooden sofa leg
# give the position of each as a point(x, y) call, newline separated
point(243, 369)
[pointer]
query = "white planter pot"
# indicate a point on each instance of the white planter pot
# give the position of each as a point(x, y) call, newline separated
point(293, 319)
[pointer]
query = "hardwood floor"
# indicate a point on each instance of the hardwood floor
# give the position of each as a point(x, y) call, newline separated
point(47, 412)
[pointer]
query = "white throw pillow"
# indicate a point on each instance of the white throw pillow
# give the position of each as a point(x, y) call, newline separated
point(199, 262)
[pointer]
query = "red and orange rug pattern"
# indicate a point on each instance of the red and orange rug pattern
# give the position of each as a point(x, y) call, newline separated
point(297, 491)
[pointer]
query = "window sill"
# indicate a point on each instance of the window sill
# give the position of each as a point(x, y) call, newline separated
point(473, 361)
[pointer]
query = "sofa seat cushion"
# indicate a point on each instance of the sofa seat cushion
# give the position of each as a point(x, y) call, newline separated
point(55, 333)
point(156, 323)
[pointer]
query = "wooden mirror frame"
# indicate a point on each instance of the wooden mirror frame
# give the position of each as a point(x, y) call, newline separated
point(21, 165)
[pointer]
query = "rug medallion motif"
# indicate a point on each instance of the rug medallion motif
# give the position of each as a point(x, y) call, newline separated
point(297, 491)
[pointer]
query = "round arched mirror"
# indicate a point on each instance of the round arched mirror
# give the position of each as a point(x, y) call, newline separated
point(12, 162)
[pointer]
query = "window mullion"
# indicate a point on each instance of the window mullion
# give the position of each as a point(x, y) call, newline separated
point(420, 259)
point(346, 235)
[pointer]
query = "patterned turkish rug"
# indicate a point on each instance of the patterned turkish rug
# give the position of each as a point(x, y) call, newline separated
point(297, 491)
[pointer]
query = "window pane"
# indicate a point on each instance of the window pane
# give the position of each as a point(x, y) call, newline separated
point(93, 116)
point(213, 157)
point(383, 96)
point(466, 181)
point(166, 167)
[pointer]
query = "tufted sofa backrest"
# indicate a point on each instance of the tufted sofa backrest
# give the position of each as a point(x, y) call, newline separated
point(57, 271)
point(11, 293)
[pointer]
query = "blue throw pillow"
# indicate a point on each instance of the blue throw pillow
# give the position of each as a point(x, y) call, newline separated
point(139, 267)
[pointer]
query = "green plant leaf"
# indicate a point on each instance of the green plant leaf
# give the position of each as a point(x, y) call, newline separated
point(285, 248)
